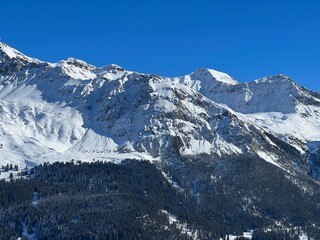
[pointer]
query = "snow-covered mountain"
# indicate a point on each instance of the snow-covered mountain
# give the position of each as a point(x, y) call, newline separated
point(245, 155)
point(74, 110)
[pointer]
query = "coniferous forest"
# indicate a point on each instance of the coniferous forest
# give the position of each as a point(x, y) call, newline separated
point(131, 200)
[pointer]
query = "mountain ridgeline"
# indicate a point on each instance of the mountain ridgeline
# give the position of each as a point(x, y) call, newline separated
point(236, 156)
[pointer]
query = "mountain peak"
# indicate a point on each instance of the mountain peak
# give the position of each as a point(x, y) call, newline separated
point(7, 53)
point(5, 50)
point(112, 67)
point(77, 63)
point(210, 74)
point(274, 78)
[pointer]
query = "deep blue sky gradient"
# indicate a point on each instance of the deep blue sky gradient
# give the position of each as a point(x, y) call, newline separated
point(247, 39)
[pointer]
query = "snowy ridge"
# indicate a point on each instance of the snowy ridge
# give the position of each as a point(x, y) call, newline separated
point(77, 69)
point(205, 80)
point(277, 104)
point(74, 110)
point(7, 52)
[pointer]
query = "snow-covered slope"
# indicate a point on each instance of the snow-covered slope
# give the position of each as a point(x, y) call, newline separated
point(278, 105)
point(73, 110)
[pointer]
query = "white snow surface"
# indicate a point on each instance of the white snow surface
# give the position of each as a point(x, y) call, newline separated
point(74, 110)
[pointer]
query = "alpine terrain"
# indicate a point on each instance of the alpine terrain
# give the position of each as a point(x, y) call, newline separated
point(209, 157)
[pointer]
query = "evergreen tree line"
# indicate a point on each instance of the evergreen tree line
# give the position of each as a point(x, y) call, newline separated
point(103, 200)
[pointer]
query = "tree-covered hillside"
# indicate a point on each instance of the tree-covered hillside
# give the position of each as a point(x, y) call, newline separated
point(133, 200)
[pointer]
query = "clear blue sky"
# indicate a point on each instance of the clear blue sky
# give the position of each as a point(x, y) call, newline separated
point(247, 39)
